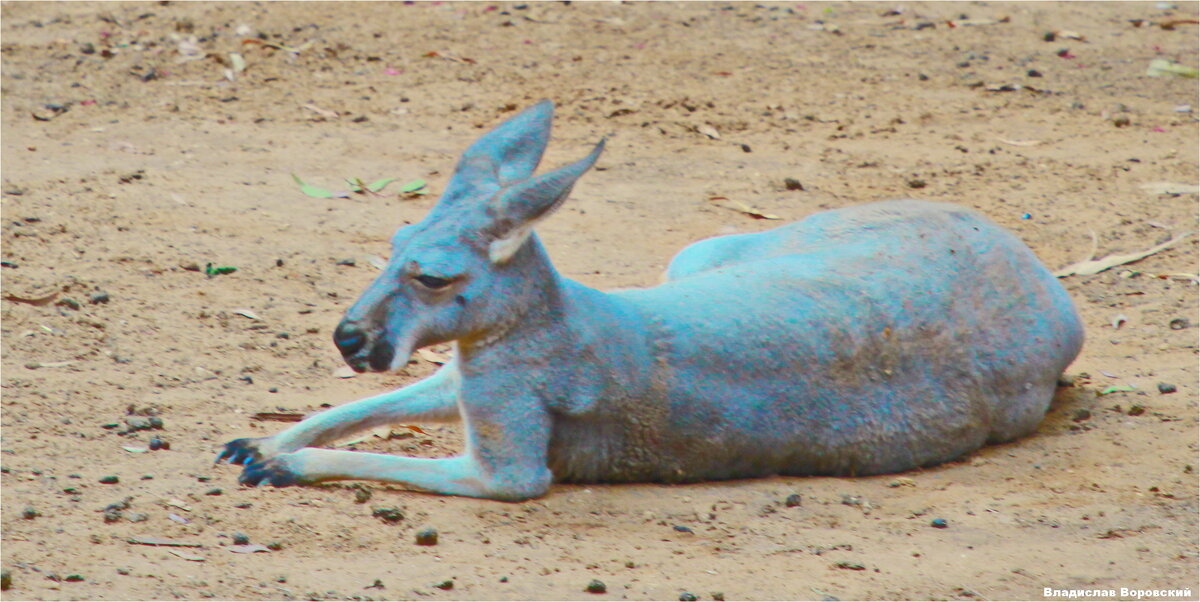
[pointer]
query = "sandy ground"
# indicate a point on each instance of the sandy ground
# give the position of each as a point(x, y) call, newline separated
point(127, 167)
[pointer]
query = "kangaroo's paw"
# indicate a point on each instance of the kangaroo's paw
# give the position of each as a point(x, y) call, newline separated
point(274, 472)
point(251, 450)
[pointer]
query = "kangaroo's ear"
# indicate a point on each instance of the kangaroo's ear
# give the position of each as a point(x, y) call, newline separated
point(511, 151)
point(516, 209)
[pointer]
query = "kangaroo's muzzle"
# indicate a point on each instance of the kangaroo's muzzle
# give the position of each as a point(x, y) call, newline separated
point(355, 345)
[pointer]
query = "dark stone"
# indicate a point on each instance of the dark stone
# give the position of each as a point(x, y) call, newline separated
point(427, 537)
point(240, 539)
point(939, 523)
point(792, 500)
point(110, 480)
point(388, 515)
point(596, 586)
point(1166, 388)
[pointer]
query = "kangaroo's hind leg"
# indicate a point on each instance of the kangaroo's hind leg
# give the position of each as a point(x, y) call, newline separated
point(431, 400)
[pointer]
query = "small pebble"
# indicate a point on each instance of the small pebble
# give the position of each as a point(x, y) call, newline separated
point(1137, 410)
point(596, 586)
point(5, 580)
point(29, 513)
point(853, 566)
point(388, 515)
point(792, 500)
point(939, 523)
point(916, 183)
point(1081, 414)
point(1179, 324)
point(427, 537)
point(746, 148)
point(504, 580)
point(687, 597)
point(792, 184)
point(1049, 36)
point(123, 571)
point(110, 480)
point(214, 491)
point(156, 422)
point(362, 493)
point(99, 298)
point(1166, 388)
point(347, 262)
point(275, 546)
point(446, 585)
point(73, 578)
point(1033, 73)
point(240, 539)
point(718, 596)
point(682, 529)
point(157, 444)
point(1121, 121)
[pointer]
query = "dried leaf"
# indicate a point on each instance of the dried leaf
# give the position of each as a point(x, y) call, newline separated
point(178, 504)
point(249, 548)
point(1070, 35)
point(187, 555)
point(247, 313)
point(159, 541)
point(279, 416)
point(345, 372)
point(1095, 266)
point(1118, 321)
point(743, 208)
point(39, 301)
point(61, 364)
point(1117, 389)
point(319, 111)
point(434, 356)
point(1171, 188)
point(179, 519)
point(238, 62)
point(709, 131)
point(134, 450)
point(1161, 67)
point(1020, 142)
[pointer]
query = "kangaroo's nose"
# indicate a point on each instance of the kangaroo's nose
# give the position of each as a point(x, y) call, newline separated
point(348, 338)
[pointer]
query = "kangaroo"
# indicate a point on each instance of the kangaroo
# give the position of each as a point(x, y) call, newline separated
point(866, 340)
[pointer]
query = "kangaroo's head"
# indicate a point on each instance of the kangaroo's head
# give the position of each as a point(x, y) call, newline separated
point(466, 271)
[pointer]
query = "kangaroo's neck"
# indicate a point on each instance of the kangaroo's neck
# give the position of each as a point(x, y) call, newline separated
point(569, 333)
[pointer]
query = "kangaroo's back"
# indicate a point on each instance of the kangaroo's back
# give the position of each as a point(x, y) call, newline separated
point(871, 339)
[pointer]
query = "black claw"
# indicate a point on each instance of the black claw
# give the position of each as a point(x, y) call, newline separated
point(272, 472)
point(239, 451)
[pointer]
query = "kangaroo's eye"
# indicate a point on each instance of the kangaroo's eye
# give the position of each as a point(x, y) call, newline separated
point(432, 282)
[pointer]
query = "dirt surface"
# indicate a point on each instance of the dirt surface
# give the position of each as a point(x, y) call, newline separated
point(127, 168)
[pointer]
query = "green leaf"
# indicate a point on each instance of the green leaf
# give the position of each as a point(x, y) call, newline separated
point(1120, 389)
point(312, 191)
point(413, 186)
point(210, 270)
point(378, 185)
point(1161, 67)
